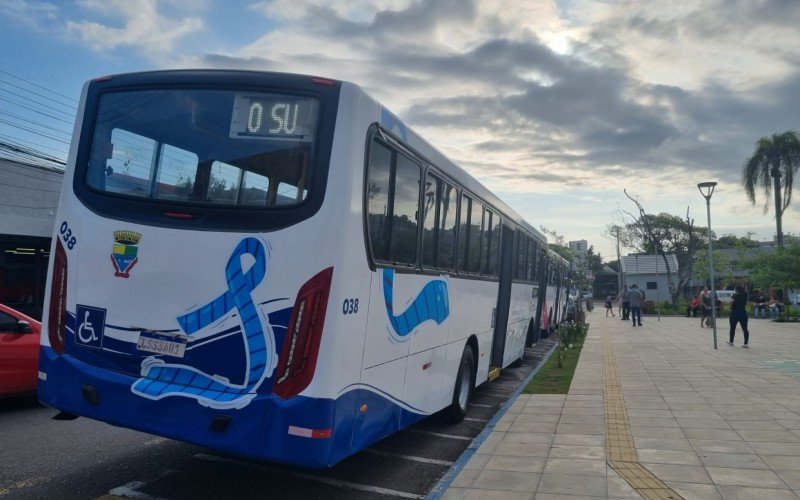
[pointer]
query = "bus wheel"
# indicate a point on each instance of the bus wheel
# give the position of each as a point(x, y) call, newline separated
point(465, 381)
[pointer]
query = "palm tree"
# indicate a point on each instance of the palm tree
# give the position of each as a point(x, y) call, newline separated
point(775, 157)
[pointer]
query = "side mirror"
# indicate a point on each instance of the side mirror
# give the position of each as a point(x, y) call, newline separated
point(24, 327)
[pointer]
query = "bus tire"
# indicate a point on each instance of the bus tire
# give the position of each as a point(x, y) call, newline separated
point(518, 362)
point(465, 383)
point(529, 336)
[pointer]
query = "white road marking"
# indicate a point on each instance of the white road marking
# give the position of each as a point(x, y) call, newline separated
point(439, 434)
point(310, 477)
point(470, 419)
point(482, 406)
point(130, 491)
point(410, 457)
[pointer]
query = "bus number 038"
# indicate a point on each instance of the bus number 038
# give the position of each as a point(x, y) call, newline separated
point(66, 235)
point(350, 306)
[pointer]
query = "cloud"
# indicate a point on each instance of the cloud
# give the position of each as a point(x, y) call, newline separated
point(461, 67)
point(132, 23)
point(31, 14)
point(544, 97)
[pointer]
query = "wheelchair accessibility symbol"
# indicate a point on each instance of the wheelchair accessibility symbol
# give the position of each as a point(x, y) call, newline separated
point(90, 323)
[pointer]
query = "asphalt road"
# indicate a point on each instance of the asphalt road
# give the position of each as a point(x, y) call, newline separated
point(43, 458)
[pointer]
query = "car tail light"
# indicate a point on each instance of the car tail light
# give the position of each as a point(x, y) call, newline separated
point(56, 323)
point(298, 358)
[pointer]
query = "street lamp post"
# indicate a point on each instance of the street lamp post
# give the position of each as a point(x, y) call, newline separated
point(707, 189)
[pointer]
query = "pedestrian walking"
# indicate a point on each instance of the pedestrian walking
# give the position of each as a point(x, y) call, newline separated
point(609, 306)
point(739, 314)
point(705, 305)
point(636, 296)
point(624, 298)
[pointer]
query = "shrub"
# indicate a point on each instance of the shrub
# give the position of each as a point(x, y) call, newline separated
point(568, 332)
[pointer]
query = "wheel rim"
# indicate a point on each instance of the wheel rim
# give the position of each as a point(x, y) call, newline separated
point(463, 391)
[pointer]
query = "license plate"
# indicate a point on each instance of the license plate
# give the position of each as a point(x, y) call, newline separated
point(161, 345)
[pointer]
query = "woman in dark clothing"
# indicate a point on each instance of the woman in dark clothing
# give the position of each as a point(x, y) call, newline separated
point(739, 314)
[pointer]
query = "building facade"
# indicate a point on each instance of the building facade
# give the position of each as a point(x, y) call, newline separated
point(28, 201)
point(649, 273)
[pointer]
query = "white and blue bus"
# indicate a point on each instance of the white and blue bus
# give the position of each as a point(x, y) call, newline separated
point(274, 266)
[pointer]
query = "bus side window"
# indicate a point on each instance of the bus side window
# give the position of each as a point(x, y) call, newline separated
point(519, 273)
point(378, 183)
point(533, 250)
point(393, 192)
point(529, 260)
point(448, 203)
point(430, 203)
point(463, 233)
point(405, 208)
point(475, 230)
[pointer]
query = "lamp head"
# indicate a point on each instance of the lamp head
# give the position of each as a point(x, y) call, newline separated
point(707, 189)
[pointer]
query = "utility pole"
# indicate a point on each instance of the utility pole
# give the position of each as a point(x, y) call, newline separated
point(658, 288)
point(619, 263)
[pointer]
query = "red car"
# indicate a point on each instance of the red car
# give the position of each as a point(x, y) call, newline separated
point(19, 352)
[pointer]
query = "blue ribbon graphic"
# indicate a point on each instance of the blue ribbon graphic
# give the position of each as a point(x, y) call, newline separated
point(160, 379)
point(431, 303)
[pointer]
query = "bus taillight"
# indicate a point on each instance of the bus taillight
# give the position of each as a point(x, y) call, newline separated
point(56, 324)
point(298, 358)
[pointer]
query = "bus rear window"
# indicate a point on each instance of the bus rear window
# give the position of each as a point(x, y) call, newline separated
point(211, 147)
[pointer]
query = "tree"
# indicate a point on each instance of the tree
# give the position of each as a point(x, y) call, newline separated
point(577, 278)
point(775, 158)
point(723, 267)
point(669, 234)
point(557, 244)
point(594, 261)
point(776, 268)
point(733, 241)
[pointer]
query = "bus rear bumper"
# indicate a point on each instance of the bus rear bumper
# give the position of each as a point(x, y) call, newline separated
point(299, 431)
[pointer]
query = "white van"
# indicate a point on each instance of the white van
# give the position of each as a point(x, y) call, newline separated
point(725, 295)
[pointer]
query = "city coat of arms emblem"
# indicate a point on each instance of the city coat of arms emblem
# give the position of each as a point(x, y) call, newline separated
point(125, 252)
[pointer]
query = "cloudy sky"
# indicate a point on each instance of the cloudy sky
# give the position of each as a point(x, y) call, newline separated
point(555, 105)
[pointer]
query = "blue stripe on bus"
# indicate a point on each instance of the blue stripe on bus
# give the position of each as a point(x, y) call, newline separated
point(421, 309)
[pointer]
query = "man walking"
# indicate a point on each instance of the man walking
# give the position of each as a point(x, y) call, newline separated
point(636, 296)
point(624, 298)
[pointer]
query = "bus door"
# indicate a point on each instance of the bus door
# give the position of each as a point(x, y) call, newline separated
point(503, 296)
point(536, 306)
point(541, 290)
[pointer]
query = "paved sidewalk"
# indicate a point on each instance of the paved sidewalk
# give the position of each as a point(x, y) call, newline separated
point(706, 424)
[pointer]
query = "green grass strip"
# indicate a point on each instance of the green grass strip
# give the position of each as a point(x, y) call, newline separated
point(553, 379)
